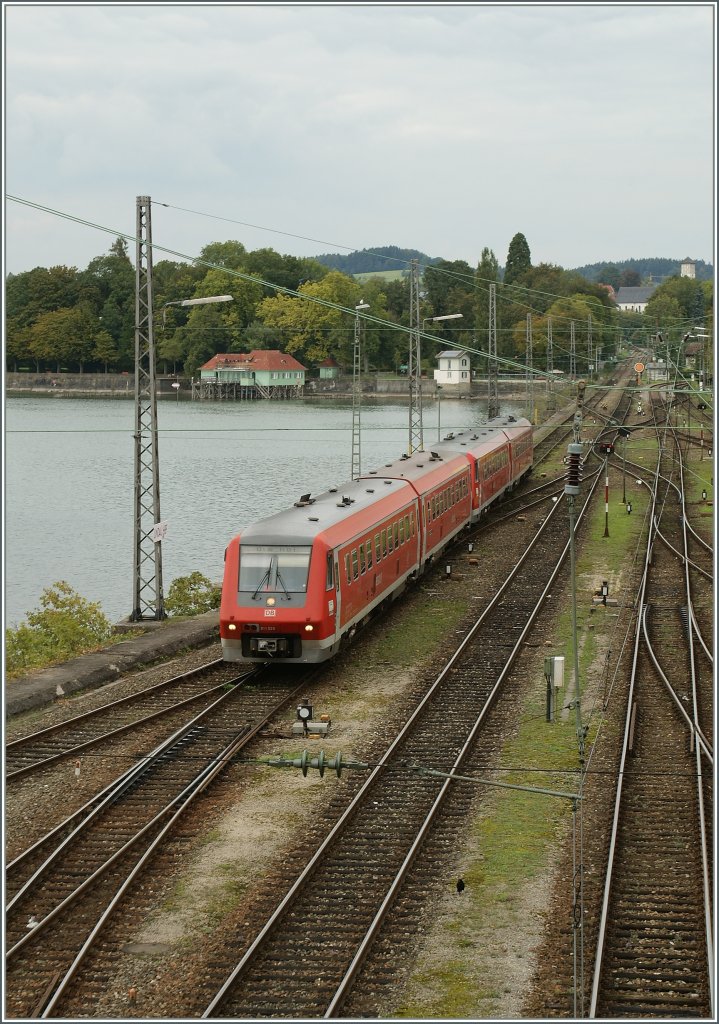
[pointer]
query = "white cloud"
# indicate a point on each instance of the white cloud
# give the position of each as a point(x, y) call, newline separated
point(444, 128)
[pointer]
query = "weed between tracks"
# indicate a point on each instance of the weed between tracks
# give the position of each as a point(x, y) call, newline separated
point(478, 960)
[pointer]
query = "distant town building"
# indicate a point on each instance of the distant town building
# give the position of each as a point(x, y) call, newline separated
point(263, 373)
point(693, 352)
point(329, 369)
point(689, 268)
point(656, 371)
point(454, 370)
point(634, 300)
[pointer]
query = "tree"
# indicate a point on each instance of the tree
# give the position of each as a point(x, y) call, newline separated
point(192, 595)
point(104, 348)
point(232, 255)
point(487, 274)
point(630, 279)
point(64, 625)
point(312, 330)
point(610, 274)
point(519, 259)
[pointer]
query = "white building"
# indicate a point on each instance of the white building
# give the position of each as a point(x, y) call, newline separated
point(454, 370)
point(634, 300)
point(689, 268)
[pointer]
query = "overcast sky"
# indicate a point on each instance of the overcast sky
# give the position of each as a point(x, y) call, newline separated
point(444, 128)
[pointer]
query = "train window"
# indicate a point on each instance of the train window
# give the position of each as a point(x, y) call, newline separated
point(406, 527)
point(347, 568)
point(377, 548)
point(355, 566)
point(396, 535)
point(434, 506)
point(368, 546)
point(390, 539)
point(281, 569)
point(361, 558)
point(401, 531)
point(384, 543)
point(330, 579)
point(412, 523)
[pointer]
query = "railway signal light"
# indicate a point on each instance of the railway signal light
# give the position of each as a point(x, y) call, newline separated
point(574, 469)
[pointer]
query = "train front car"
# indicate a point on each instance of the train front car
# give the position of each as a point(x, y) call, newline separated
point(298, 582)
point(269, 608)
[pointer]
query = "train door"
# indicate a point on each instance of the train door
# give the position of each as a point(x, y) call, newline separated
point(333, 590)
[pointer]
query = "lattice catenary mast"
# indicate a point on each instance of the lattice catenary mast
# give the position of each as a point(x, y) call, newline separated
point(416, 438)
point(148, 598)
point(492, 369)
point(529, 371)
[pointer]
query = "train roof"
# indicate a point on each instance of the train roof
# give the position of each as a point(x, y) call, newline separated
point(484, 438)
point(424, 470)
point(338, 506)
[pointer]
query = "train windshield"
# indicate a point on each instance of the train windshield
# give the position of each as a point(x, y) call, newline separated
point(275, 569)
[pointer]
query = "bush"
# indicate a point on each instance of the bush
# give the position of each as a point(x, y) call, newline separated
point(64, 626)
point(192, 595)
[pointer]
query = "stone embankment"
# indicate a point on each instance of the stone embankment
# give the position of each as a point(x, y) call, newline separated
point(122, 385)
point(162, 640)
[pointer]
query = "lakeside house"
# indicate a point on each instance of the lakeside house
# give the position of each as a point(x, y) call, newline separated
point(454, 371)
point(262, 373)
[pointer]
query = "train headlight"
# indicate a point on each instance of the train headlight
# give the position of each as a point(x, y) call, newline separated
point(309, 628)
point(232, 626)
point(270, 601)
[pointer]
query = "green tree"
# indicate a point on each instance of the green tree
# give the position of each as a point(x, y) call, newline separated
point(609, 274)
point(519, 259)
point(630, 278)
point(104, 349)
point(65, 625)
point(192, 595)
point(230, 254)
point(487, 274)
point(311, 330)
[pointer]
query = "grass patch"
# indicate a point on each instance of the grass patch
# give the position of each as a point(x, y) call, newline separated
point(419, 629)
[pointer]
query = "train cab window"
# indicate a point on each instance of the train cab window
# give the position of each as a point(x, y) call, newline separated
point(330, 577)
point(368, 546)
point(274, 569)
point(396, 535)
point(347, 568)
point(361, 558)
point(406, 528)
point(377, 547)
point(384, 543)
point(355, 565)
point(401, 531)
point(411, 523)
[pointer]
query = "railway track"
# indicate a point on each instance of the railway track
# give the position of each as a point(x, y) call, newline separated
point(104, 724)
point(63, 889)
point(308, 957)
point(654, 953)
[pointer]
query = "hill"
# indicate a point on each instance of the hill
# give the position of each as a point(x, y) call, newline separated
point(374, 261)
point(655, 267)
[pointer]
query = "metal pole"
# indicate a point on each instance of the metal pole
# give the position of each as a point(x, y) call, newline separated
point(416, 436)
point(148, 598)
point(439, 412)
point(624, 471)
point(606, 496)
point(357, 395)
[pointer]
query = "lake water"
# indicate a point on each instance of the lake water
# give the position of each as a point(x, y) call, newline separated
point(69, 476)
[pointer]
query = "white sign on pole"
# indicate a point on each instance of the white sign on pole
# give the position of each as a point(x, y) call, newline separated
point(158, 532)
point(175, 384)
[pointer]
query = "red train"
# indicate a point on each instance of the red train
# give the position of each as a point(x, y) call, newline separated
point(300, 582)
